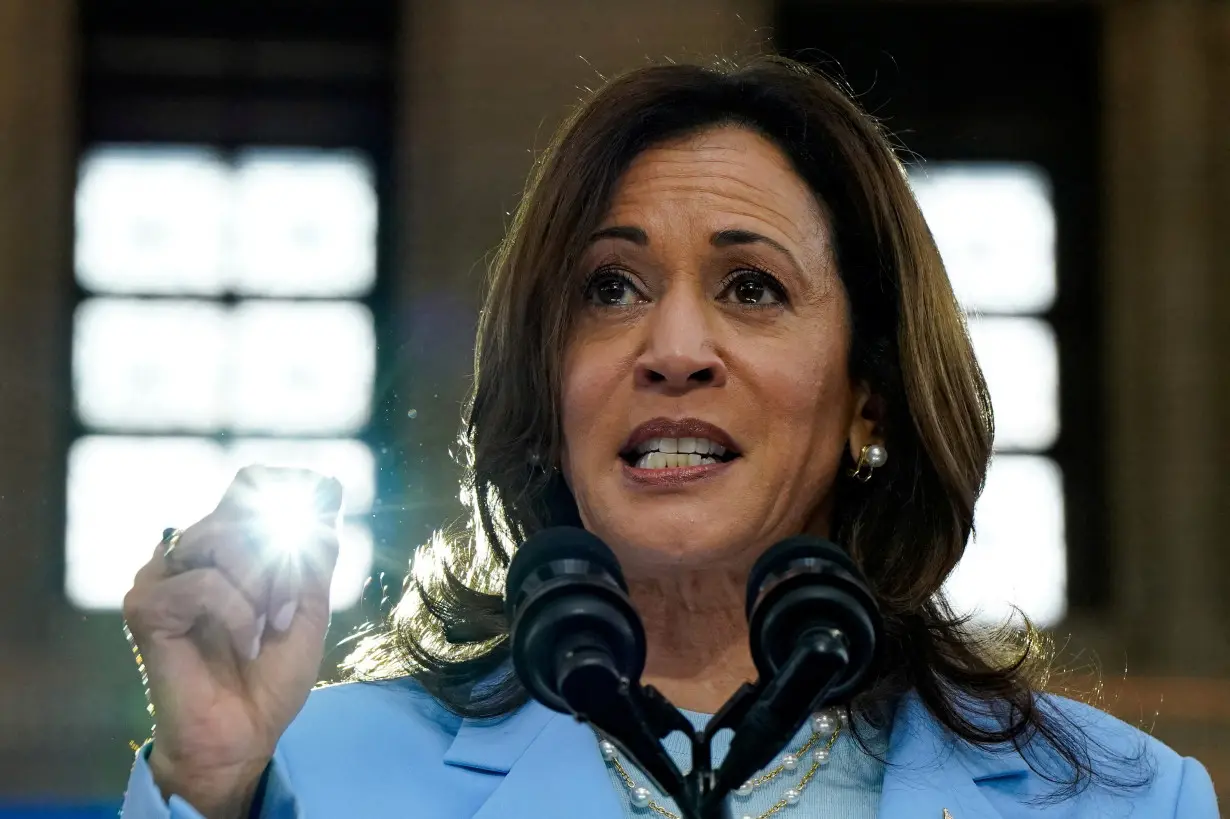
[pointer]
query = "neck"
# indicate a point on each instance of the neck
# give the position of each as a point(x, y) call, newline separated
point(696, 636)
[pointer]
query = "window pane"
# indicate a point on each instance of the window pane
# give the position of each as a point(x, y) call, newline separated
point(299, 368)
point(122, 492)
point(305, 223)
point(351, 462)
point(1020, 360)
point(995, 228)
point(151, 220)
point(1018, 556)
point(148, 365)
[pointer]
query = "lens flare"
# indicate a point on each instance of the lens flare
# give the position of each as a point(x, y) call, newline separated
point(288, 515)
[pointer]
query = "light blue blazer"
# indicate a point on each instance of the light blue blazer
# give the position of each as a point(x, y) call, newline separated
point(389, 750)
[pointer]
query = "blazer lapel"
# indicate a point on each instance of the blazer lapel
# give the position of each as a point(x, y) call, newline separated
point(550, 768)
point(931, 776)
point(551, 765)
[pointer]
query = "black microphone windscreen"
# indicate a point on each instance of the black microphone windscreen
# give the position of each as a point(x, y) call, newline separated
point(800, 546)
point(558, 543)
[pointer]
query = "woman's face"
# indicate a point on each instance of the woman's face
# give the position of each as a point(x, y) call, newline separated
point(706, 395)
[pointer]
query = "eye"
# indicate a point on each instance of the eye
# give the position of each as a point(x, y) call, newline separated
point(612, 288)
point(754, 288)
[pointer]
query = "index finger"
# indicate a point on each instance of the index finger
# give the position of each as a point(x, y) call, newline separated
point(259, 490)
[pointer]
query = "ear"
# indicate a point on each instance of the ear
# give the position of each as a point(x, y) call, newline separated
point(867, 420)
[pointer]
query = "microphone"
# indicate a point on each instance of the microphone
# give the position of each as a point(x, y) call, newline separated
point(576, 639)
point(578, 646)
point(813, 626)
point(806, 586)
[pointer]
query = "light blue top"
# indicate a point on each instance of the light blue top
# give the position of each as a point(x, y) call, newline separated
point(389, 749)
point(847, 786)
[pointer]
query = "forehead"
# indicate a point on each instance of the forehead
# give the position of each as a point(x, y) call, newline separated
point(719, 173)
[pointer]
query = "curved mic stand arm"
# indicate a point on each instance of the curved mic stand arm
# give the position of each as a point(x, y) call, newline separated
point(779, 710)
point(632, 716)
point(763, 716)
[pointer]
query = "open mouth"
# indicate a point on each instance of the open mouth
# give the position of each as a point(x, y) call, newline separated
point(673, 453)
point(678, 443)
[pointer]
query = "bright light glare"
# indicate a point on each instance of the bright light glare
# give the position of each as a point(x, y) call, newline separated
point(350, 461)
point(122, 492)
point(354, 565)
point(289, 517)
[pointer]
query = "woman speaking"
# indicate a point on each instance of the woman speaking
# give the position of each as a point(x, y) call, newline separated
point(718, 320)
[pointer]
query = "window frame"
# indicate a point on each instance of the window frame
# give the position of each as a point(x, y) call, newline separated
point(960, 82)
point(232, 76)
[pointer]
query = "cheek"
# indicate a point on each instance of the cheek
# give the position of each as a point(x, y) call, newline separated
point(591, 377)
point(813, 422)
point(818, 406)
point(811, 400)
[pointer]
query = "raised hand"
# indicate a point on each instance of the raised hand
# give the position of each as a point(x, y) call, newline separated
point(230, 629)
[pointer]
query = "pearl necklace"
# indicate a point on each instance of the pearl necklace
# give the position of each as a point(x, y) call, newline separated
point(822, 723)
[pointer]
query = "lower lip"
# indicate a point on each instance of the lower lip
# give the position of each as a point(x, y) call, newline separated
point(675, 475)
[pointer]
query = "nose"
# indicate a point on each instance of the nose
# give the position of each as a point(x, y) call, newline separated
point(680, 351)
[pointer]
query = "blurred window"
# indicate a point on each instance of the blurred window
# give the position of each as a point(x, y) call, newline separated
point(1003, 156)
point(995, 228)
point(230, 208)
point(222, 323)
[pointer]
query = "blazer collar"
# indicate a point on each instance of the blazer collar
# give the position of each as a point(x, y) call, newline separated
point(552, 768)
point(494, 745)
point(551, 762)
point(930, 772)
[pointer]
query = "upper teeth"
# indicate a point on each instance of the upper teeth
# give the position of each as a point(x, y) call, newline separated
point(701, 446)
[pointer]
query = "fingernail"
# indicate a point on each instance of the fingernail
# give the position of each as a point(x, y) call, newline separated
point(281, 620)
point(255, 650)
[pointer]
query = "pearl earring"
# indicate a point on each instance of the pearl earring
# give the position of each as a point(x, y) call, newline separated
point(870, 459)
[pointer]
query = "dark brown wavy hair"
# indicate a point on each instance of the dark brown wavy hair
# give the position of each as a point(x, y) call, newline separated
point(907, 528)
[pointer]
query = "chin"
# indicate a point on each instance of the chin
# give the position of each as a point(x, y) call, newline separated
point(672, 545)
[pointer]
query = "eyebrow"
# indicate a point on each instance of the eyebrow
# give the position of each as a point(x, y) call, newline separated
point(626, 232)
point(733, 237)
point(730, 237)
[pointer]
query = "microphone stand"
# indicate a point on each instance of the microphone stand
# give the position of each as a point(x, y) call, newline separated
point(764, 716)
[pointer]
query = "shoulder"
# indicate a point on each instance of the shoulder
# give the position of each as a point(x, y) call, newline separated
point(378, 714)
point(1135, 773)
point(402, 696)
point(1105, 732)
point(357, 748)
